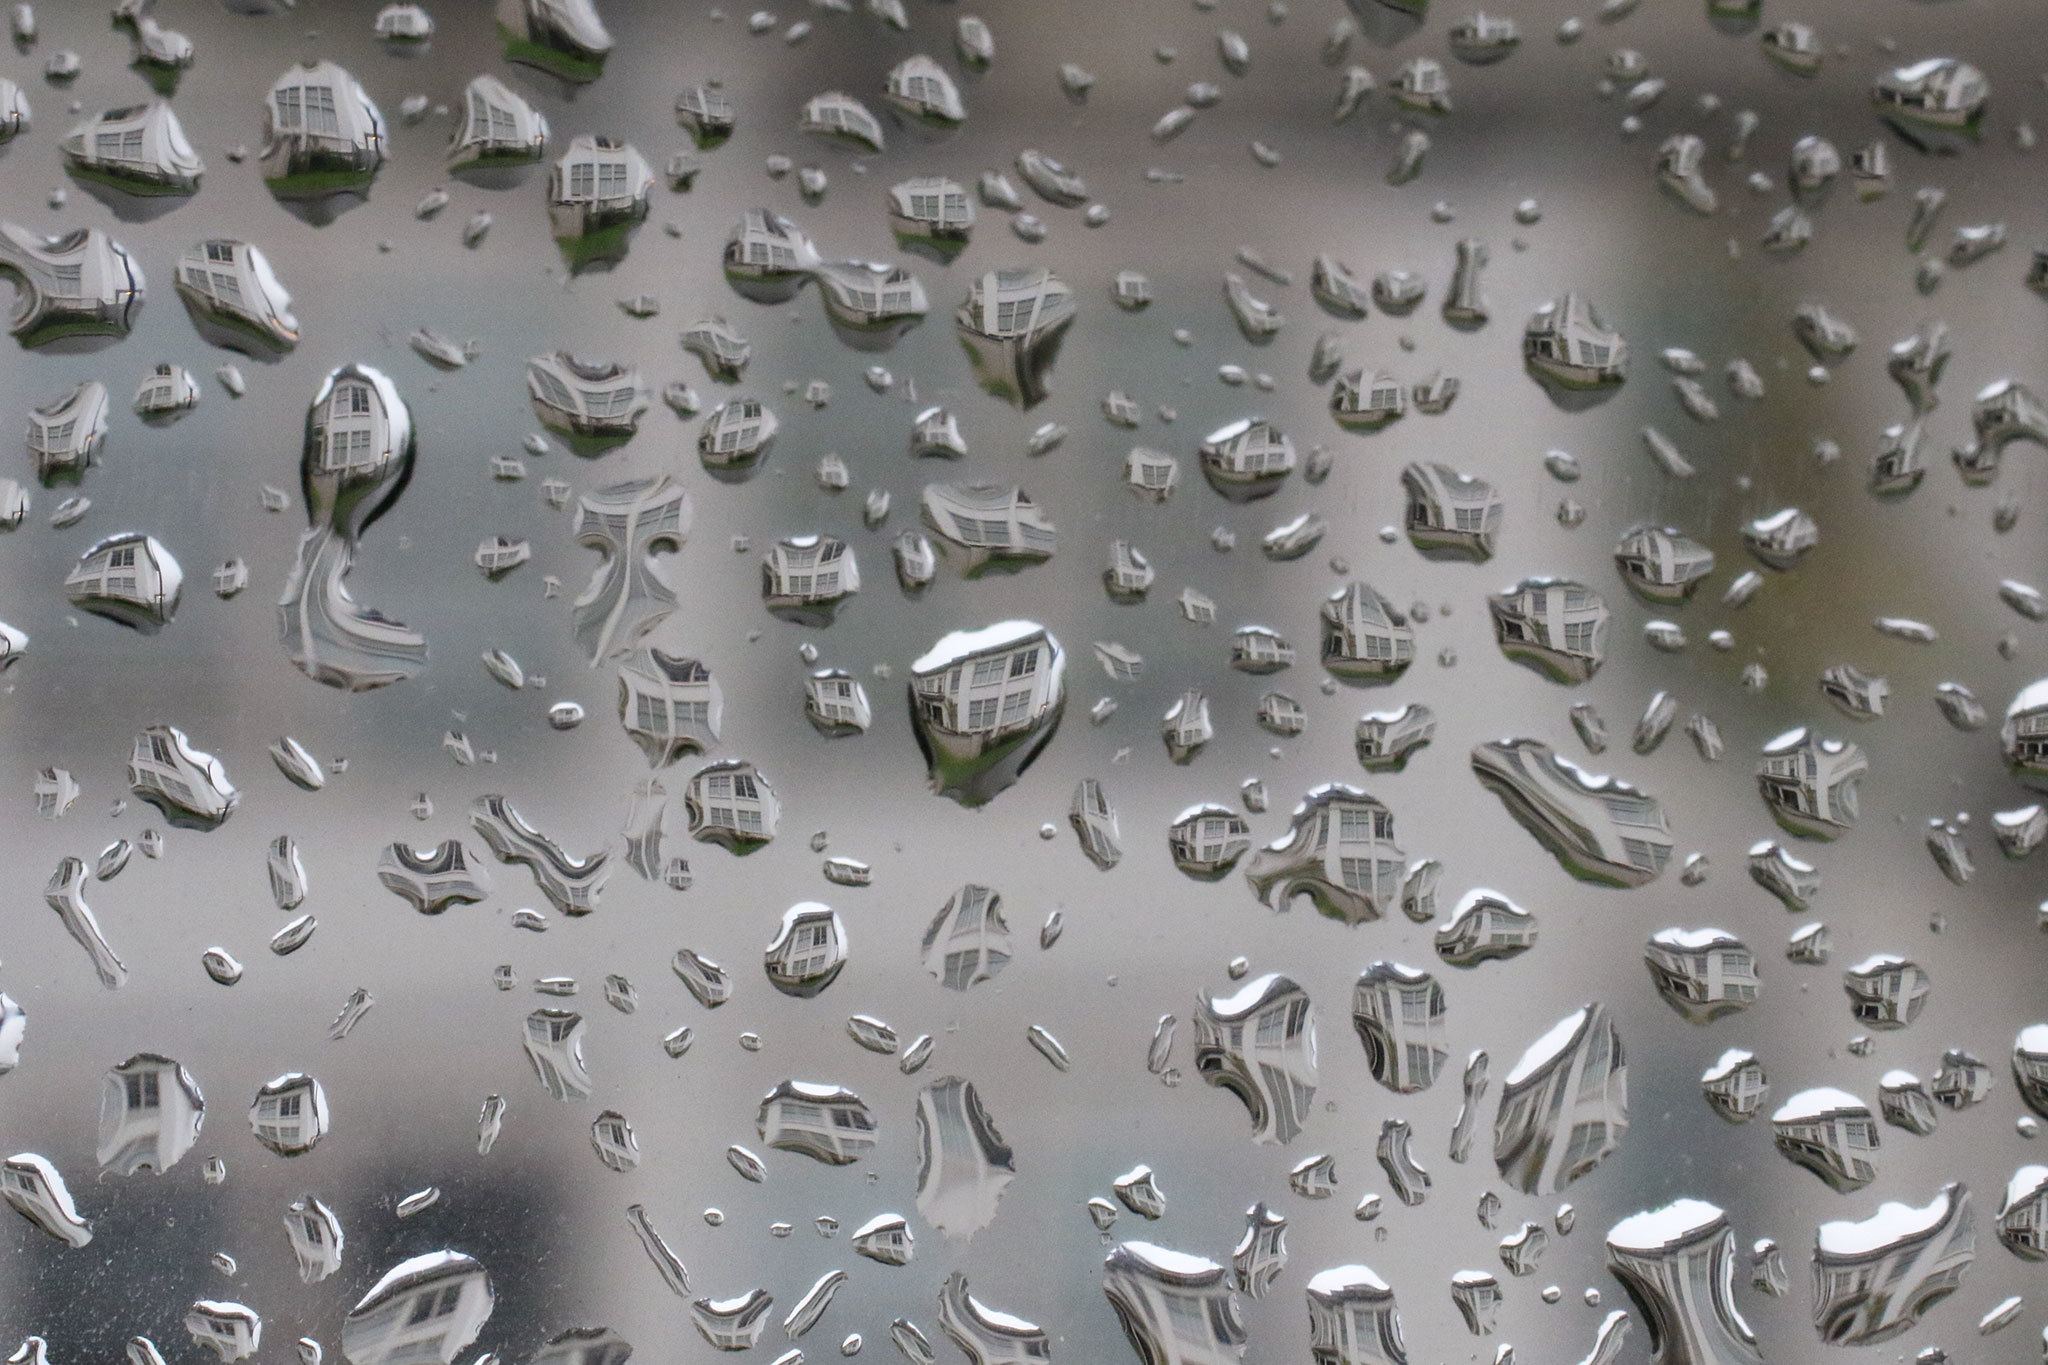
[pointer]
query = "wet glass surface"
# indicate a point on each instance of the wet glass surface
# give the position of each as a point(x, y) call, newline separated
point(417, 736)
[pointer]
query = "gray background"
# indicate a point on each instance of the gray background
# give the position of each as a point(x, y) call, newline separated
point(541, 1212)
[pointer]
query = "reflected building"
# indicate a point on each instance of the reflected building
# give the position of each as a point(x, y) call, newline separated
point(1602, 829)
point(1853, 691)
point(1566, 344)
point(425, 1311)
point(808, 951)
point(597, 193)
point(1735, 1085)
point(1152, 474)
point(827, 1123)
point(1185, 727)
point(1962, 1080)
point(1384, 740)
point(871, 296)
point(160, 53)
point(885, 1239)
point(1366, 400)
point(435, 879)
point(1261, 1253)
point(2024, 735)
point(80, 283)
point(355, 458)
point(720, 346)
point(968, 942)
point(931, 209)
point(1564, 1106)
point(498, 128)
point(1477, 1296)
point(1094, 822)
point(571, 884)
point(139, 149)
point(706, 110)
point(1938, 94)
point(1259, 1043)
point(592, 398)
point(65, 894)
point(1678, 1265)
point(921, 88)
point(629, 524)
point(1793, 881)
point(129, 578)
point(554, 1047)
point(988, 523)
point(1702, 973)
point(316, 1238)
point(669, 705)
point(189, 787)
point(64, 436)
point(840, 116)
point(289, 1114)
point(1484, 927)
point(1399, 1014)
point(836, 703)
point(1811, 783)
point(937, 435)
point(322, 134)
point(736, 435)
point(232, 1331)
point(1783, 538)
point(1129, 575)
point(1364, 635)
point(2030, 1066)
point(1905, 1103)
point(984, 703)
point(1556, 626)
point(1874, 1279)
point(1207, 840)
point(963, 1164)
point(731, 804)
point(1663, 563)
point(2023, 1216)
point(807, 577)
point(167, 392)
point(36, 1190)
point(1248, 458)
point(1011, 325)
point(1175, 1309)
point(235, 298)
point(1830, 1133)
point(1282, 714)
point(1885, 991)
point(767, 248)
point(1451, 513)
point(1352, 1319)
point(565, 38)
point(1339, 851)
point(150, 1114)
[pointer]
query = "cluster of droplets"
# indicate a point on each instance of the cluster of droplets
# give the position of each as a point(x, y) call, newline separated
point(986, 701)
